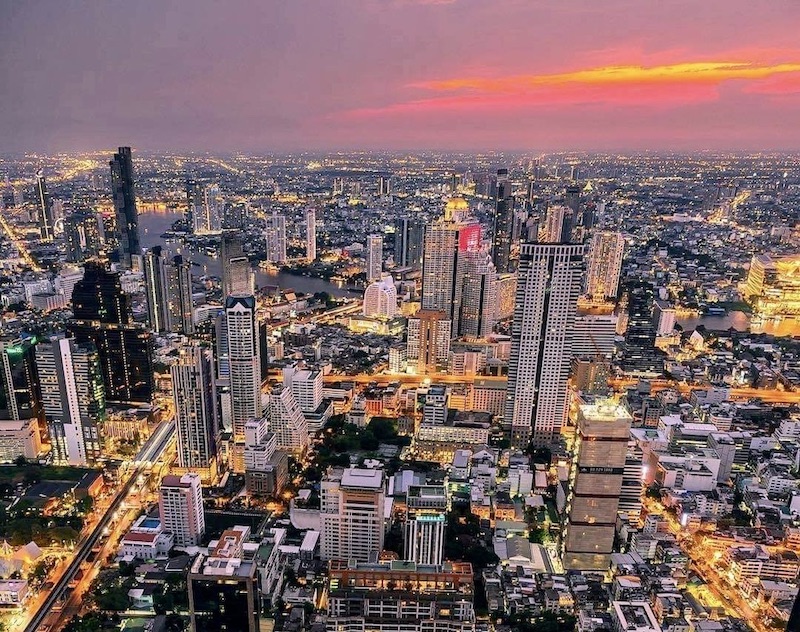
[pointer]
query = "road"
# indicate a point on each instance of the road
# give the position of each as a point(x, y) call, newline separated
point(731, 597)
point(772, 396)
point(151, 450)
point(19, 244)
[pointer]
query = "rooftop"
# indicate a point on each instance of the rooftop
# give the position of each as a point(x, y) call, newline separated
point(358, 477)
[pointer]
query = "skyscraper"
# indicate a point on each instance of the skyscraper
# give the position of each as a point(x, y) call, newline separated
point(478, 307)
point(424, 527)
point(384, 185)
point(102, 316)
point(155, 279)
point(180, 505)
point(639, 354)
point(194, 199)
point(311, 234)
point(237, 273)
point(548, 287)
point(502, 223)
point(19, 381)
point(207, 216)
point(409, 234)
point(558, 225)
point(605, 263)
point(45, 219)
point(374, 258)
point(351, 514)
point(127, 218)
point(244, 362)
point(179, 296)
point(83, 233)
point(195, 410)
point(572, 198)
point(99, 296)
point(448, 242)
point(275, 237)
point(73, 398)
point(602, 448)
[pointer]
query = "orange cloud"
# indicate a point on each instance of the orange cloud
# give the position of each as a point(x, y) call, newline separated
point(666, 85)
point(690, 72)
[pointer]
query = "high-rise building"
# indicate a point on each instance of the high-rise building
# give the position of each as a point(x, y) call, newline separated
point(179, 296)
point(237, 273)
point(773, 285)
point(602, 448)
point(155, 280)
point(351, 514)
point(73, 398)
point(83, 233)
point(195, 410)
point(127, 218)
point(449, 242)
point(664, 317)
point(19, 380)
point(180, 505)
point(311, 234)
point(478, 307)
point(593, 336)
point(502, 223)
point(640, 356)
point(630, 495)
point(572, 197)
point(428, 343)
point(207, 215)
point(306, 385)
point(548, 286)
point(224, 585)
point(286, 420)
point(374, 258)
point(380, 299)
point(409, 234)
point(605, 263)
point(400, 595)
point(275, 236)
point(102, 316)
point(45, 215)
point(384, 185)
point(424, 527)
point(557, 225)
point(244, 362)
point(194, 200)
point(99, 296)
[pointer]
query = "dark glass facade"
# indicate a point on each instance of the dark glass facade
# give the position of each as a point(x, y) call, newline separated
point(502, 224)
point(99, 296)
point(126, 358)
point(19, 384)
point(122, 191)
point(224, 603)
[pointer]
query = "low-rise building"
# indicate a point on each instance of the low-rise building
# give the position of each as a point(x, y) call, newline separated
point(391, 596)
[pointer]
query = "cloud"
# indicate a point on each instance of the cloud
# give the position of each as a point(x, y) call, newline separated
point(657, 86)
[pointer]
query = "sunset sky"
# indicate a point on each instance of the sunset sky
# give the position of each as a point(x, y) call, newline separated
point(400, 74)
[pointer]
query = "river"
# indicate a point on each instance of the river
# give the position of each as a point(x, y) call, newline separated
point(741, 322)
point(153, 225)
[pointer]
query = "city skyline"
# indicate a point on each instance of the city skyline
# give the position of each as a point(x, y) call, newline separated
point(679, 76)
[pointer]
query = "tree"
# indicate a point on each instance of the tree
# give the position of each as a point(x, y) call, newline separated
point(383, 428)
